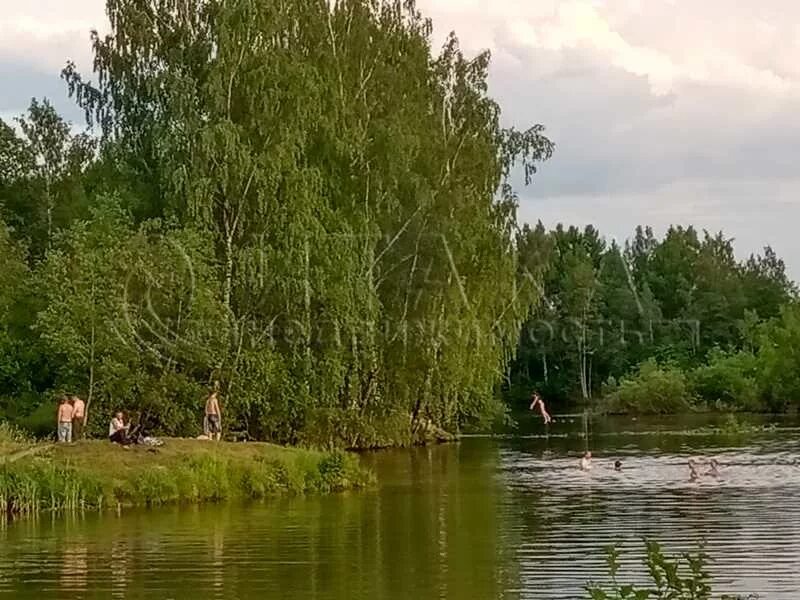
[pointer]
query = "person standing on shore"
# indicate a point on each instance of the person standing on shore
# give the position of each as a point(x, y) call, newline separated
point(214, 415)
point(64, 418)
point(78, 418)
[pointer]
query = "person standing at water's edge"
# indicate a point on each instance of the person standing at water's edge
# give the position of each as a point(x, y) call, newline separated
point(64, 418)
point(214, 415)
point(538, 402)
point(78, 417)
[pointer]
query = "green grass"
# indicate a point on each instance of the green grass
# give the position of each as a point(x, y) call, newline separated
point(97, 474)
point(12, 439)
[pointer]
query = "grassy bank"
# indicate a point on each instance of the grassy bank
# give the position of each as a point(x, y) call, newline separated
point(97, 474)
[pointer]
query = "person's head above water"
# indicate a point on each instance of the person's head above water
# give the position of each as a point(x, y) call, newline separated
point(588, 454)
point(618, 465)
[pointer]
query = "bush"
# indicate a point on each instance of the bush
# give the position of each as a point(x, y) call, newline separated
point(341, 428)
point(653, 389)
point(729, 382)
point(41, 423)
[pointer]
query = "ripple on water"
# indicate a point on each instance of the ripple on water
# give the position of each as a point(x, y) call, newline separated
point(748, 517)
point(481, 520)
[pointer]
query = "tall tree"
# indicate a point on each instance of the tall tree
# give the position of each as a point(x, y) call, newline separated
point(354, 189)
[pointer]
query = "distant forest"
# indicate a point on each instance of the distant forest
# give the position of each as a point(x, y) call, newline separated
point(657, 326)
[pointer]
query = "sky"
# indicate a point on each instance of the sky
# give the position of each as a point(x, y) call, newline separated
point(663, 111)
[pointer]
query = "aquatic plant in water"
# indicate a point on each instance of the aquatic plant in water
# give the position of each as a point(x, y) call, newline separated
point(681, 577)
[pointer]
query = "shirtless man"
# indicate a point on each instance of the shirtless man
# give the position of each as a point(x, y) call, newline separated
point(536, 401)
point(78, 417)
point(64, 419)
point(214, 416)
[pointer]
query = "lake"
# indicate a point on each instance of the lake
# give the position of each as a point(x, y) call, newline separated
point(508, 517)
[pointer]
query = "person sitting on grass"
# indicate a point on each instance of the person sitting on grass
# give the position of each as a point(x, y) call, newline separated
point(118, 430)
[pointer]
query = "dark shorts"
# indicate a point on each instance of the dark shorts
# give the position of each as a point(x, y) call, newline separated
point(213, 424)
point(119, 437)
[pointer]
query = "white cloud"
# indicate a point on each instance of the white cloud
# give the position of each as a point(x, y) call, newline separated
point(45, 33)
point(729, 50)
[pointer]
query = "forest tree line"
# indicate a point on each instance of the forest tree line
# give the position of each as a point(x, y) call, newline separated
point(307, 203)
point(300, 200)
point(657, 325)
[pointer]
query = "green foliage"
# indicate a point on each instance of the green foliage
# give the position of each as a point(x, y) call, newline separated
point(682, 300)
point(653, 389)
point(778, 359)
point(310, 205)
point(9, 434)
point(728, 382)
point(344, 181)
point(41, 175)
point(96, 475)
point(39, 422)
point(681, 577)
point(31, 486)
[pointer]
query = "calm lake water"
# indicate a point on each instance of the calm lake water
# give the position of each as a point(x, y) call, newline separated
point(486, 518)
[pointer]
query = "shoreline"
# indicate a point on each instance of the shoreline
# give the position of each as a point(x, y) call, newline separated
point(98, 475)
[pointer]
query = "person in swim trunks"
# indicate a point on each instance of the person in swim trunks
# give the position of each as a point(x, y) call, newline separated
point(213, 416)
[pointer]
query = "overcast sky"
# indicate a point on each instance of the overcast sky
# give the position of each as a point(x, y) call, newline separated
point(663, 111)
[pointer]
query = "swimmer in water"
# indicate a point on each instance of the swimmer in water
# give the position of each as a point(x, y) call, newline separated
point(693, 475)
point(586, 461)
point(714, 470)
point(537, 401)
point(618, 465)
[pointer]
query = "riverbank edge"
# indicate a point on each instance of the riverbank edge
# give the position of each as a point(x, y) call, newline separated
point(97, 475)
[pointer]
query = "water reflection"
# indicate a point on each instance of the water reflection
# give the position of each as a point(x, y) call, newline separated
point(513, 518)
point(74, 567)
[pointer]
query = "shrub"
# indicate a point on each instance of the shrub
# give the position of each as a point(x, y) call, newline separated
point(729, 382)
point(653, 389)
point(41, 422)
point(341, 428)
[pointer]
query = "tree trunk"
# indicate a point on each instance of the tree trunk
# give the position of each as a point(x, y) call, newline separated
point(90, 393)
point(228, 274)
point(544, 366)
